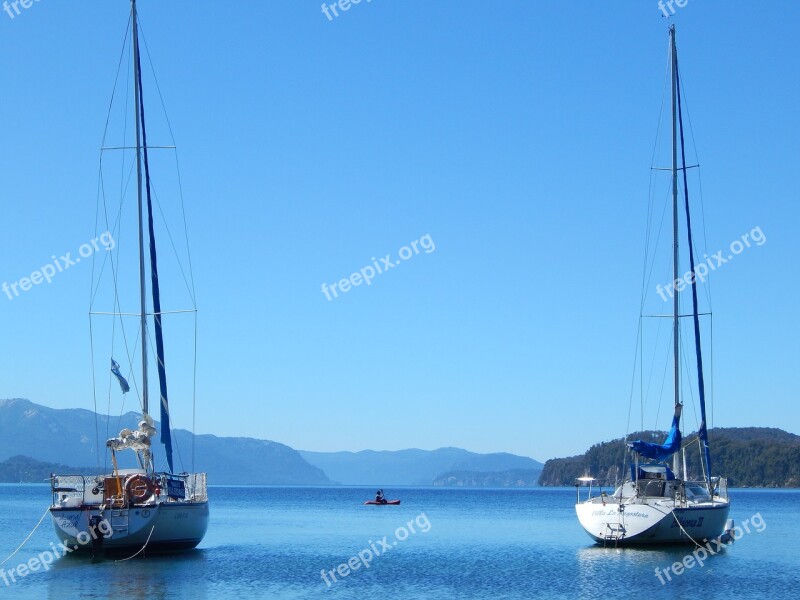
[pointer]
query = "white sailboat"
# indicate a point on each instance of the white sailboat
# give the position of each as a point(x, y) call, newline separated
point(656, 504)
point(140, 509)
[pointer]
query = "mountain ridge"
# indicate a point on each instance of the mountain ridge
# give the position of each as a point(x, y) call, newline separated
point(411, 466)
point(32, 432)
point(48, 435)
point(746, 456)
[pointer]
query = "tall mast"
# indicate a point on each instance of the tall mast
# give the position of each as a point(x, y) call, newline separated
point(142, 288)
point(675, 303)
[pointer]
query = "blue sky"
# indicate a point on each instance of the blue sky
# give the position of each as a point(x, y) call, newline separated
point(517, 135)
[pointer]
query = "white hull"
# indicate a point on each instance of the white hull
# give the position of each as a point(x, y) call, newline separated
point(168, 526)
point(130, 511)
point(652, 521)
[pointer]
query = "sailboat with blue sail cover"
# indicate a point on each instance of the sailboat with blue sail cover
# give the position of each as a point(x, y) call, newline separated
point(137, 509)
point(657, 503)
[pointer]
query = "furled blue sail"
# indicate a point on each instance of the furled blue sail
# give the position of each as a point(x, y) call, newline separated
point(661, 451)
point(703, 431)
point(166, 433)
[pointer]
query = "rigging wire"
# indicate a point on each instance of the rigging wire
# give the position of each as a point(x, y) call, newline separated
point(707, 286)
point(194, 388)
point(647, 272)
point(667, 362)
point(92, 293)
point(172, 241)
point(177, 163)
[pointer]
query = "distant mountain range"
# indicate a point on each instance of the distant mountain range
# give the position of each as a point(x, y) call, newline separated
point(411, 467)
point(69, 435)
point(36, 440)
point(747, 456)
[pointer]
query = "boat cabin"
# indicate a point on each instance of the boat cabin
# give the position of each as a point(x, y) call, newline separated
point(653, 480)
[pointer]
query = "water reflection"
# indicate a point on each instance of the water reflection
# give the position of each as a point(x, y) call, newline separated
point(598, 565)
point(142, 578)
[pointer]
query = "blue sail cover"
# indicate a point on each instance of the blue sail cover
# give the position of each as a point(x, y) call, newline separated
point(166, 431)
point(703, 432)
point(663, 451)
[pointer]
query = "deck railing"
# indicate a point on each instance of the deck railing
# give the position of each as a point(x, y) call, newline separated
point(76, 490)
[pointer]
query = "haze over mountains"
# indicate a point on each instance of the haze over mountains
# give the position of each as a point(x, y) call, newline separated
point(412, 467)
point(69, 437)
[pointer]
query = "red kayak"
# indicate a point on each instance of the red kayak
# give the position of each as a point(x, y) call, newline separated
point(385, 502)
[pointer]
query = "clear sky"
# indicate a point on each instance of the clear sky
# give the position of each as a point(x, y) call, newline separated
point(518, 135)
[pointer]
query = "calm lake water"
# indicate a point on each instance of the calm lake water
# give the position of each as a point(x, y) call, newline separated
point(267, 542)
